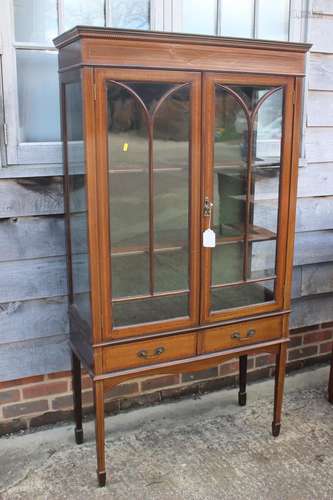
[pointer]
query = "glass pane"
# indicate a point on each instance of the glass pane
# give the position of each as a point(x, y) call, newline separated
point(227, 263)
point(199, 17)
point(133, 266)
point(129, 200)
point(230, 168)
point(151, 309)
point(246, 231)
point(273, 19)
point(262, 259)
point(150, 94)
point(171, 200)
point(38, 95)
point(149, 198)
point(35, 21)
point(129, 214)
point(85, 12)
point(267, 138)
point(171, 189)
point(171, 270)
point(237, 18)
point(242, 295)
point(133, 14)
point(249, 94)
point(77, 201)
point(268, 129)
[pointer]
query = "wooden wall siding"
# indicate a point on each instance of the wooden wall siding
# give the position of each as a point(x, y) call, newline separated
point(321, 33)
point(39, 278)
point(33, 357)
point(312, 279)
point(44, 235)
point(317, 278)
point(314, 214)
point(313, 247)
point(33, 279)
point(319, 144)
point(35, 170)
point(321, 71)
point(33, 319)
point(34, 196)
point(322, 7)
point(320, 108)
point(315, 179)
point(296, 290)
point(313, 310)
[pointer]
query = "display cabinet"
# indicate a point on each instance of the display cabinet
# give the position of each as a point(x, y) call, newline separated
point(180, 158)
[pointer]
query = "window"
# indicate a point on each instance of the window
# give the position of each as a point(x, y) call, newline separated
point(32, 96)
point(268, 19)
point(27, 28)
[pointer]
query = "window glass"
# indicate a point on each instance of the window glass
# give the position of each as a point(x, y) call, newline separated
point(35, 21)
point(248, 294)
point(38, 95)
point(237, 18)
point(133, 14)
point(246, 187)
point(77, 202)
point(199, 17)
point(273, 19)
point(84, 12)
point(149, 168)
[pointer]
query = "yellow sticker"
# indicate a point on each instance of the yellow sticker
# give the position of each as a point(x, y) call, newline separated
point(125, 146)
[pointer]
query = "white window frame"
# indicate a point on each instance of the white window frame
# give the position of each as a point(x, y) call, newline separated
point(165, 15)
point(3, 130)
point(36, 152)
point(295, 6)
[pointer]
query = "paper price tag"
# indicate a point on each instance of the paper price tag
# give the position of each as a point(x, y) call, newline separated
point(209, 238)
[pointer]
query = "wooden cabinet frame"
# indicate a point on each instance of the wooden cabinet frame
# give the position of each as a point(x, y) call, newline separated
point(286, 182)
point(193, 78)
point(111, 355)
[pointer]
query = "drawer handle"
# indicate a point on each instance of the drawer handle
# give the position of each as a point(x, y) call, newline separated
point(145, 354)
point(237, 335)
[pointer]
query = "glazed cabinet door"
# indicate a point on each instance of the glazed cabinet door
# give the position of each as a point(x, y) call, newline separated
point(245, 205)
point(148, 160)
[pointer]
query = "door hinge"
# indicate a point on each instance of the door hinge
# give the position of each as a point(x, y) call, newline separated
point(5, 133)
point(94, 91)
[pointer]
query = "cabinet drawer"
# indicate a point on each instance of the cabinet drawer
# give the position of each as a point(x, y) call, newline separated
point(149, 352)
point(238, 334)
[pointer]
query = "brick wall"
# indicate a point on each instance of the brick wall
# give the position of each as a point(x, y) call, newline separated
point(46, 399)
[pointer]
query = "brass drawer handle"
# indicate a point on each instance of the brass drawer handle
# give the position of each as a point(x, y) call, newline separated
point(145, 354)
point(237, 335)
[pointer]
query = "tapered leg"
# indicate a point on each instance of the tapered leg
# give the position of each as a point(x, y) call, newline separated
point(100, 434)
point(330, 382)
point(280, 370)
point(77, 398)
point(242, 380)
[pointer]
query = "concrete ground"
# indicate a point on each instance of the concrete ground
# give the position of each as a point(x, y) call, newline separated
point(207, 448)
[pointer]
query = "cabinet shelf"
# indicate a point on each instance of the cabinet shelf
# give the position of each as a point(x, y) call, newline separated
point(230, 168)
point(145, 170)
point(256, 233)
